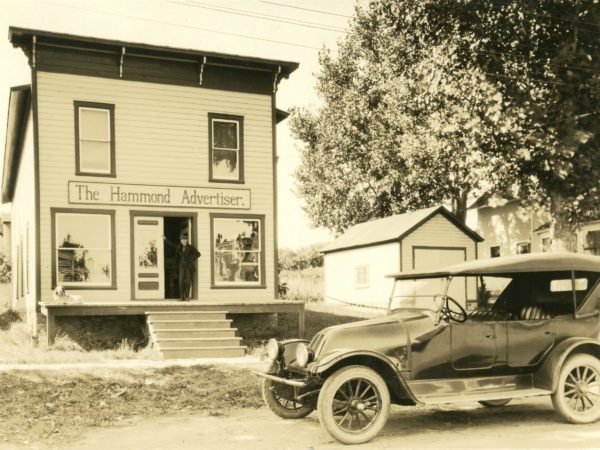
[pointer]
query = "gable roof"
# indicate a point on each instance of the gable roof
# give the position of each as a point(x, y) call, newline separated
point(392, 229)
point(488, 199)
point(18, 111)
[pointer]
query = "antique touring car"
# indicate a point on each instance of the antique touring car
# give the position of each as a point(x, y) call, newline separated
point(534, 329)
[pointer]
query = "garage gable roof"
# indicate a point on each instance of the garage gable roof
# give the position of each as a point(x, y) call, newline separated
point(392, 229)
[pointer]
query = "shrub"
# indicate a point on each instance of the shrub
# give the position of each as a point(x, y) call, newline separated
point(302, 258)
point(5, 268)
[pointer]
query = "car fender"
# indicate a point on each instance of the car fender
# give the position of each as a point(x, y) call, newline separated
point(340, 358)
point(546, 377)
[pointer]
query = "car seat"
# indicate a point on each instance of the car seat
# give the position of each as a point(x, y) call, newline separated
point(533, 312)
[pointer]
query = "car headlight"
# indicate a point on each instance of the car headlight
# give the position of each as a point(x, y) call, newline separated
point(304, 355)
point(272, 349)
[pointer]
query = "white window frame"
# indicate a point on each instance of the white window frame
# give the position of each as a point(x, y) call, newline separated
point(522, 243)
point(584, 234)
point(357, 276)
point(258, 252)
point(82, 139)
point(82, 284)
point(236, 150)
point(499, 250)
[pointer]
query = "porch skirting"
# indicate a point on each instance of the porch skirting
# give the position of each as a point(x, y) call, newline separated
point(141, 307)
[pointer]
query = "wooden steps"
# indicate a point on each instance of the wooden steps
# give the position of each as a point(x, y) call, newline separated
point(194, 334)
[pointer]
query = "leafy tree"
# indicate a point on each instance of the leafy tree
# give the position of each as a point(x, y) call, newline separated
point(433, 101)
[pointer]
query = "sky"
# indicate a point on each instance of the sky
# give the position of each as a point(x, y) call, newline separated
point(291, 30)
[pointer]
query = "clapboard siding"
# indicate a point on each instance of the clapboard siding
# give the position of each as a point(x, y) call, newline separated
point(340, 274)
point(23, 228)
point(436, 232)
point(161, 137)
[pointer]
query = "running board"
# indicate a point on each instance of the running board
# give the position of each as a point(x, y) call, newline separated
point(475, 389)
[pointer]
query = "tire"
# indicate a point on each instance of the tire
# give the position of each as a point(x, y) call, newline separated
point(577, 396)
point(495, 403)
point(359, 392)
point(286, 409)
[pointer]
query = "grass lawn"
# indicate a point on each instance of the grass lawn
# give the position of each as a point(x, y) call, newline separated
point(53, 407)
point(305, 285)
point(56, 406)
point(16, 348)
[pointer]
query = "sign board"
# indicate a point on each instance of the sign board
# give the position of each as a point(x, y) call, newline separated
point(82, 192)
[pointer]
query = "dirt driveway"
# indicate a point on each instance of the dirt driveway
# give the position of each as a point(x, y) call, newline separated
point(522, 424)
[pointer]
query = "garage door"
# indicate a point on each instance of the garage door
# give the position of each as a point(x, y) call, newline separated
point(435, 258)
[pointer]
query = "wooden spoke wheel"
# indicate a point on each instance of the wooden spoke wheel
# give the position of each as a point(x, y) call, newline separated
point(283, 407)
point(354, 404)
point(577, 396)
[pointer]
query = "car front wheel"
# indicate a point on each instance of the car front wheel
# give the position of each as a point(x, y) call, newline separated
point(577, 396)
point(354, 404)
point(283, 407)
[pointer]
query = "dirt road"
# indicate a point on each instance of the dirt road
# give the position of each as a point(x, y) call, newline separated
point(521, 424)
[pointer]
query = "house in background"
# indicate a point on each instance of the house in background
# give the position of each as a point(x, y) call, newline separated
point(511, 229)
point(357, 262)
point(114, 151)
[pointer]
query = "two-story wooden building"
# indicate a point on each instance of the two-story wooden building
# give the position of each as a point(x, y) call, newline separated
point(114, 150)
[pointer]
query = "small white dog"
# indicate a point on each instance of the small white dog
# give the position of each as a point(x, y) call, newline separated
point(61, 296)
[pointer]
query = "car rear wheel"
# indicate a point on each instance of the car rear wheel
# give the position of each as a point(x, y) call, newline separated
point(283, 407)
point(495, 403)
point(354, 404)
point(577, 396)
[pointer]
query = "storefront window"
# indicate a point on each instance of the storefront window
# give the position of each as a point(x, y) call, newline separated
point(237, 251)
point(226, 148)
point(83, 249)
point(95, 143)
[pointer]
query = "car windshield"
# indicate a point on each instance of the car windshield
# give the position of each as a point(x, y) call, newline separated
point(417, 294)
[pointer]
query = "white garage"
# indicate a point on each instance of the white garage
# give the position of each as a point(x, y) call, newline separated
point(357, 262)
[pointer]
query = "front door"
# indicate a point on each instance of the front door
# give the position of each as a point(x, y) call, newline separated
point(148, 258)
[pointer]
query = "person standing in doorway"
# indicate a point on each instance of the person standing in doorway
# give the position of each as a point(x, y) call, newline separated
point(185, 258)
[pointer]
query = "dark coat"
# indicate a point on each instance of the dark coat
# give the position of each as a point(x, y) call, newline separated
point(185, 258)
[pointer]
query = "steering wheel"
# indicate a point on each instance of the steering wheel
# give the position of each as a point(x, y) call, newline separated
point(447, 312)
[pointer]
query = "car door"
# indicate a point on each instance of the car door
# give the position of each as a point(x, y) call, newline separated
point(476, 345)
point(528, 341)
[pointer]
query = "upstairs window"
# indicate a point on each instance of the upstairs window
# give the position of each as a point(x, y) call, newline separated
point(226, 142)
point(495, 251)
point(95, 139)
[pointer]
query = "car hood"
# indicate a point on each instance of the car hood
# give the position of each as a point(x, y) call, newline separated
point(388, 335)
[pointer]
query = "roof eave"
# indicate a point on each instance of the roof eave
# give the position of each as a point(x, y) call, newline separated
point(19, 104)
point(354, 247)
point(451, 217)
point(23, 37)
